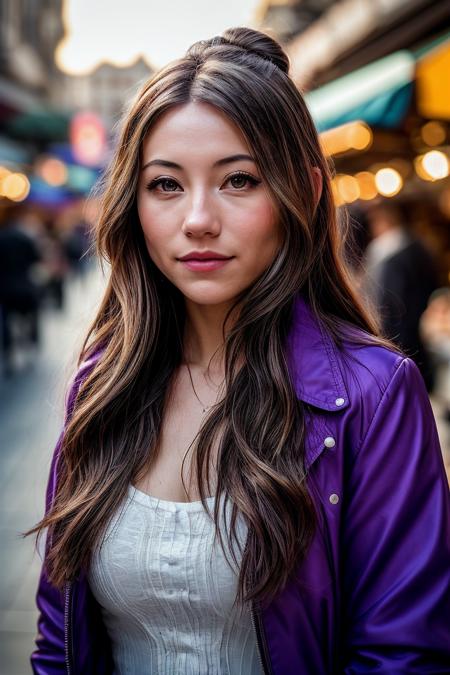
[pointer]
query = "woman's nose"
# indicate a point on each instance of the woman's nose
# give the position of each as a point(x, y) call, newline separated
point(201, 219)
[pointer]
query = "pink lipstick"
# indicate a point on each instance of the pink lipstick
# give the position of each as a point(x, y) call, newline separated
point(204, 261)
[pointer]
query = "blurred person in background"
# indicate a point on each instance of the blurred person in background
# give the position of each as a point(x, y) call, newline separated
point(249, 478)
point(435, 332)
point(400, 274)
point(76, 246)
point(55, 262)
point(20, 290)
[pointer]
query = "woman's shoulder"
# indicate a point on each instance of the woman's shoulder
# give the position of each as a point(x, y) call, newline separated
point(367, 362)
point(334, 373)
point(86, 365)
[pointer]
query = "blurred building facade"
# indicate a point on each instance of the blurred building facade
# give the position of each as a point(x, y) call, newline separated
point(42, 107)
point(29, 33)
point(105, 91)
point(329, 38)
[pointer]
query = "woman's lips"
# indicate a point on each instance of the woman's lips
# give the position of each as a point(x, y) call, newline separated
point(206, 264)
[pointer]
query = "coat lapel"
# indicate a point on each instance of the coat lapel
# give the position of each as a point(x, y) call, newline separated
point(313, 362)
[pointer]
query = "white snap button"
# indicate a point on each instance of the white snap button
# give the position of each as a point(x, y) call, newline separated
point(329, 442)
point(334, 498)
point(340, 401)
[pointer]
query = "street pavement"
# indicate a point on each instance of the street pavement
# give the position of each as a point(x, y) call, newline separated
point(31, 414)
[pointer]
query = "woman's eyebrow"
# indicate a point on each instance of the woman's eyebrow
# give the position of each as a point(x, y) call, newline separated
point(220, 162)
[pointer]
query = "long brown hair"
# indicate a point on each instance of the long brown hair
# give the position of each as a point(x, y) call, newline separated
point(115, 425)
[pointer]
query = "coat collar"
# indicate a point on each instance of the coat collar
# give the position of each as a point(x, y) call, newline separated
point(314, 361)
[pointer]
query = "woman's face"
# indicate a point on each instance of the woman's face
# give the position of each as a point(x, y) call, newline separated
point(209, 223)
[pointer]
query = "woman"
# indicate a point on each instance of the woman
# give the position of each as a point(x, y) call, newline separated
point(249, 480)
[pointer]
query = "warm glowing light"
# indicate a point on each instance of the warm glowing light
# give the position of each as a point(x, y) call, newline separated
point(351, 136)
point(53, 171)
point(435, 163)
point(367, 188)
point(388, 182)
point(420, 170)
point(433, 133)
point(15, 186)
point(359, 136)
point(4, 172)
point(336, 196)
point(88, 138)
point(348, 188)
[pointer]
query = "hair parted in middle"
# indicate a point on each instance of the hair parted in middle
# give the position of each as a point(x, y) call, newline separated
point(115, 425)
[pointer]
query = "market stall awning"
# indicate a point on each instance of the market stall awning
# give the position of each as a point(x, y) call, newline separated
point(433, 83)
point(43, 123)
point(382, 93)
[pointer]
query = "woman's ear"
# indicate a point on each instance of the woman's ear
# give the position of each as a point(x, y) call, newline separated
point(318, 184)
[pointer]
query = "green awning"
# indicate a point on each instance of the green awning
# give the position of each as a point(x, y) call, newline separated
point(43, 124)
point(380, 94)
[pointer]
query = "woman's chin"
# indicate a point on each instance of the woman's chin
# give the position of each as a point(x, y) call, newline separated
point(208, 297)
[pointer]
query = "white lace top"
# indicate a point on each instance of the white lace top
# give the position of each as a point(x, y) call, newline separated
point(167, 592)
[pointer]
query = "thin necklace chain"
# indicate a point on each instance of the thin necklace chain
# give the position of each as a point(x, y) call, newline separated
point(205, 408)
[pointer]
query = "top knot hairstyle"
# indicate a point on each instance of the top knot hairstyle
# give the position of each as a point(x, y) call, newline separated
point(244, 39)
point(115, 424)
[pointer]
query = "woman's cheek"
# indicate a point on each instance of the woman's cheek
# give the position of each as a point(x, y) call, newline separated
point(154, 227)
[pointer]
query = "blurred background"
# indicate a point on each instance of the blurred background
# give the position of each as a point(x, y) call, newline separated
point(376, 75)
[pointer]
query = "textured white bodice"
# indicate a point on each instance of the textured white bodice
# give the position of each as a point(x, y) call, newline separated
point(167, 592)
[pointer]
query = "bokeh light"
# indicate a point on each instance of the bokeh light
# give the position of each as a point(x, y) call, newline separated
point(4, 172)
point(338, 201)
point(359, 136)
point(52, 170)
point(433, 133)
point(367, 188)
point(15, 187)
point(88, 138)
point(435, 164)
point(388, 182)
point(352, 136)
point(348, 188)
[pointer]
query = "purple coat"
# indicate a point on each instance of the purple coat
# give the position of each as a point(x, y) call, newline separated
point(373, 594)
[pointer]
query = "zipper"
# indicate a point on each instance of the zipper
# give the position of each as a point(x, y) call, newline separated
point(263, 651)
point(68, 650)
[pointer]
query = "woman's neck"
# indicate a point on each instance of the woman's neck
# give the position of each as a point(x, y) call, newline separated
point(204, 336)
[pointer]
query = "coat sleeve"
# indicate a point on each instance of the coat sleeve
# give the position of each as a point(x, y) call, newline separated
point(49, 656)
point(396, 564)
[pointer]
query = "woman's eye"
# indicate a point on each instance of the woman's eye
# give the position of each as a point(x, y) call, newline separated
point(240, 180)
point(167, 185)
